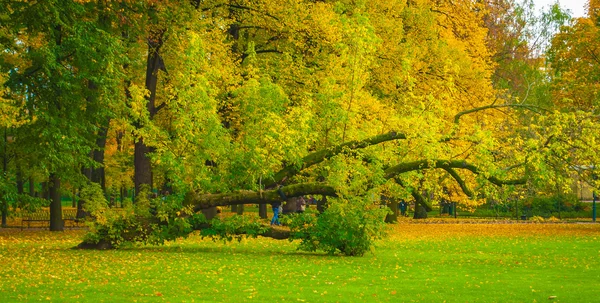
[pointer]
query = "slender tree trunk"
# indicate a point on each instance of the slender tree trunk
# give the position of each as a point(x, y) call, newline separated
point(4, 206)
point(97, 174)
point(56, 220)
point(20, 181)
point(20, 184)
point(31, 187)
point(74, 198)
point(45, 192)
point(4, 209)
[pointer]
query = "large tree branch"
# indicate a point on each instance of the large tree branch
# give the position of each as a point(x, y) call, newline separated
point(419, 199)
point(322, 155)
point(446, 164)
point(460, 182)
point(530, 107)
point(203, 201)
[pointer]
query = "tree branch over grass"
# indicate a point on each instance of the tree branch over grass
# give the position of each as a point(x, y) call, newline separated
point(460, 181)
point(446, 164)
point(203, 201)
point(322, 155)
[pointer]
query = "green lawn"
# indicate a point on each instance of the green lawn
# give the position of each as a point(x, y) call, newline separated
point(418, 263)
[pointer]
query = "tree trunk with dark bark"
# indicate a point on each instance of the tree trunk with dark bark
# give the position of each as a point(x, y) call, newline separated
point(56, 220)
point(45, 194)
point(205, 201)
point(31, 187)
point(97, 174)
point(262, 211)
point(154, 63)
point(20, 181)
point(420, 212)
point(142, 165)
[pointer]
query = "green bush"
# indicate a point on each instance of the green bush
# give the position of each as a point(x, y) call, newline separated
point(148, 221)
point(234, 227)
point(348, 226)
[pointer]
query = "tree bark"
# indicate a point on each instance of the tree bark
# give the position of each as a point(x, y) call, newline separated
point(154, 63)
point(56, 221)
point(45, 192)
point(20, 181)
point(322, 155)
point(420, 212)
point(393, 206)
point(142, 165)
point(97, 174)
point(204, 201)
point(31, 187)
point(445, 164)
point(262, 211)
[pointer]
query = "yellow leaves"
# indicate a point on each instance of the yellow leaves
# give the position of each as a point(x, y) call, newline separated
point(138, 102)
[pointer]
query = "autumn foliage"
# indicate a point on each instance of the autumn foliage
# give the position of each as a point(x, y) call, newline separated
point(218, 103)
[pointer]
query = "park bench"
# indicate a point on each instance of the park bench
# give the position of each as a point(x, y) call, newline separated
point(43, 215)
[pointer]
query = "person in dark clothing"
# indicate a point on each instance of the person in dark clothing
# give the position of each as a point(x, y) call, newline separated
point(276, 207)
point(403, 207)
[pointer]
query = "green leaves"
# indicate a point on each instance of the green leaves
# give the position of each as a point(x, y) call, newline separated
point(349, 226)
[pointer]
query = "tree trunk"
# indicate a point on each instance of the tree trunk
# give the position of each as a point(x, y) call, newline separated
point(154, 63)
point(142, 165)
point(209, 213)
point(97, 174)
point(262, 211)
point(322, 204)
point(123, 194)
point(74, 198)
point(205, 201)
point(45, 191)
point(420, 212)
point(20, 181)
point(240, 209)
point(56, 221)
point(31, 187)
point(393, 216)
point(4, 210)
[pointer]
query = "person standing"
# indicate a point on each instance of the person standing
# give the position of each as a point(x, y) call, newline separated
point(276, 207)
point(403, 207)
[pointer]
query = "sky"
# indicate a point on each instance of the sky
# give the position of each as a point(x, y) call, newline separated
point(576, 6)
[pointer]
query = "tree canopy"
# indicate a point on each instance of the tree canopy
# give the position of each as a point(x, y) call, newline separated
point(224, 101)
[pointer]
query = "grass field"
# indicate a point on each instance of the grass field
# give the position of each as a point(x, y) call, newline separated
point(417, 263)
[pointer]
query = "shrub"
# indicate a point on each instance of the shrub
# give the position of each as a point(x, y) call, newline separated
point(349, 226)
point(234, 227)
point(148, 221)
